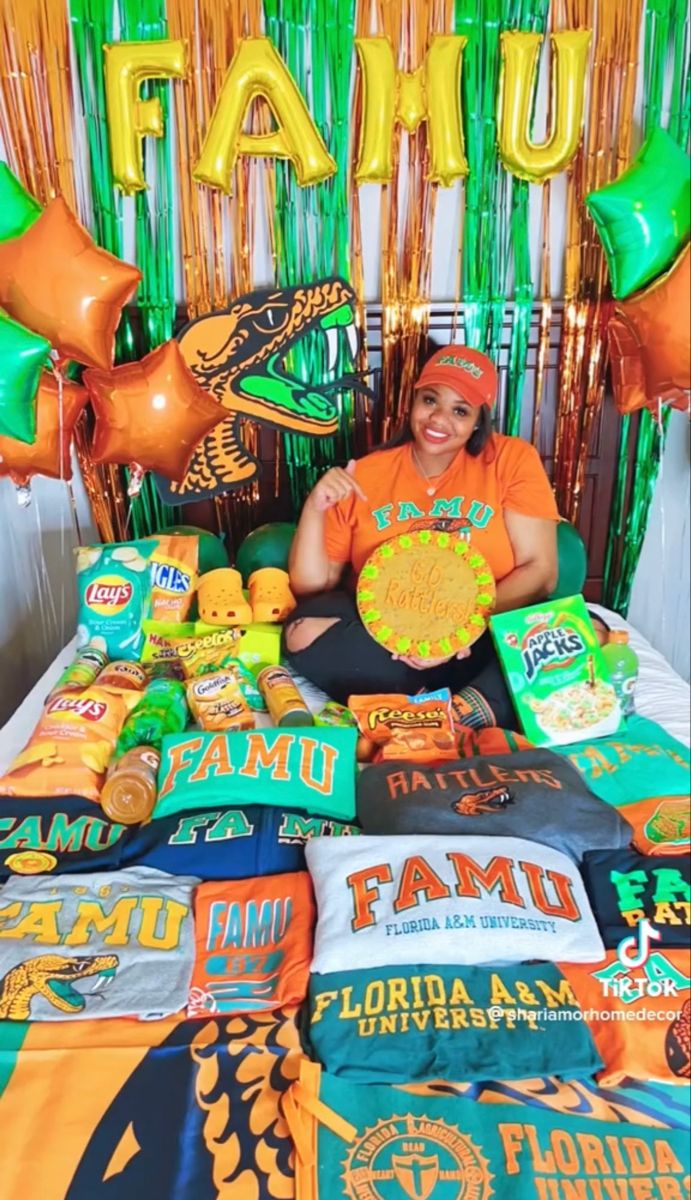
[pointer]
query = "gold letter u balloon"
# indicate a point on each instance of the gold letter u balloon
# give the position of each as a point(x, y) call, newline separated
point(520, 53)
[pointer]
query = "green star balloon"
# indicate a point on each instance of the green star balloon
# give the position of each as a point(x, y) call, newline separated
point(22, 355)
point(18, 209)
point(644, 217)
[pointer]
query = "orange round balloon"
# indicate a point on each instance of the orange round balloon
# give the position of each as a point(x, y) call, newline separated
point(50, 453)
point(151, 413)
point(55, 280)
point(650, 342)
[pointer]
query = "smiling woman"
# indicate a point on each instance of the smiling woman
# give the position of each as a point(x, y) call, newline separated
point(447, 471)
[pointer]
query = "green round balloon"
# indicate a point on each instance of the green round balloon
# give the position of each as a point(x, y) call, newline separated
point(18, 209)
point(644, 216)
point(572, 559)
point(212, 552)
point(267, 546)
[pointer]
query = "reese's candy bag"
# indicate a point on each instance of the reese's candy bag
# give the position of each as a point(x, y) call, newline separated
point(69, 750)
point(114, 585)
point(217, 703)
point(407, 728)
point(173, 576)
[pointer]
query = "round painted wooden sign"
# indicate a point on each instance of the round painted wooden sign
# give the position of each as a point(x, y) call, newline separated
point(425, 594)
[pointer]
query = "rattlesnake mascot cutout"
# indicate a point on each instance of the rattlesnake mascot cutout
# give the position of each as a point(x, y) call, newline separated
point(238, 355)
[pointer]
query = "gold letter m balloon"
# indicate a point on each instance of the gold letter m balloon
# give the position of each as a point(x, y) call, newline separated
point(520, 53)
point(432, 94)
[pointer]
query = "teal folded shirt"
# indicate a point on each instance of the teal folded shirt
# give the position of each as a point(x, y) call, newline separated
point(639, 762)
point(311, 769)
point(398, 1024)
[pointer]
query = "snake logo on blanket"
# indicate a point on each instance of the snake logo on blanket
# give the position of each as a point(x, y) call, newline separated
point(221, 1098)
point(238, 355)
point(419, 1158)
point(485, 800)
point(52, 976)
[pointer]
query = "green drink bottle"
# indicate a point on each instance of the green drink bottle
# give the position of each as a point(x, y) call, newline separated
point(162, 709)
point(622, 664)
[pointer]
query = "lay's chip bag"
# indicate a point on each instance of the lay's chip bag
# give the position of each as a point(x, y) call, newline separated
point(174, 565)
point(114, 585)
point(69, 750)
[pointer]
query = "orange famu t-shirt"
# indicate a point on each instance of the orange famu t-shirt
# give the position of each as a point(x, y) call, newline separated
point(470, 499)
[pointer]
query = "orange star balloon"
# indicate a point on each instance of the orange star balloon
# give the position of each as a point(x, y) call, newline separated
point(151, 413)
point(650, 342)
point(50, 453)
point(55, 280)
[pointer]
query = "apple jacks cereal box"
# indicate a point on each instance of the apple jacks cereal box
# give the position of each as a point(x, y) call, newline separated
point(556, 674)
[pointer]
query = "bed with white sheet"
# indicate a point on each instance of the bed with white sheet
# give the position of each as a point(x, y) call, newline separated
point(661, 694)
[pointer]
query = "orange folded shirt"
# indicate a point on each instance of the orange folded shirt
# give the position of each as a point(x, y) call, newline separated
point(640, 1019)
point(253, 944)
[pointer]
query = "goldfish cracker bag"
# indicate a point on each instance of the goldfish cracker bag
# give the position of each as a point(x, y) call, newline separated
point(114, 585)
point(217, 703)
point(69, 750)
point(407, 728)
point(173, 576)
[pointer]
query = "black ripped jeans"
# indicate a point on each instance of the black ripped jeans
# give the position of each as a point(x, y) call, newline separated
point(345, 660)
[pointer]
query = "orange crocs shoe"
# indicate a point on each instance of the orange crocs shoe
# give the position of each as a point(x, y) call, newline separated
point(220, 598)
point(270, 594)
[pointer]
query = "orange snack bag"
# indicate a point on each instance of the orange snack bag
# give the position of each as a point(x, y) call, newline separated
point(207, 654)
point(69, 750)
point(217, 703)
point(173, 576)
point(122, 677)
point(407, 728)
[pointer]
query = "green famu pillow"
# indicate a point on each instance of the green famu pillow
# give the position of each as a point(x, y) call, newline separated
point(287, 768)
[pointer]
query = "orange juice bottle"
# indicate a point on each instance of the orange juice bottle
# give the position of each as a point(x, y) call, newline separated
point(130, 791)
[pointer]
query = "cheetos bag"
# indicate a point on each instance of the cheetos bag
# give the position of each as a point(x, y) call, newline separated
point(384, 1143)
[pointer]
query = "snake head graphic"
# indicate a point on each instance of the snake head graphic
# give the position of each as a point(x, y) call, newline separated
point(242, 356)
point(53, 976)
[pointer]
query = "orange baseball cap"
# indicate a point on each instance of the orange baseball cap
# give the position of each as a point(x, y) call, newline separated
point(469, 372)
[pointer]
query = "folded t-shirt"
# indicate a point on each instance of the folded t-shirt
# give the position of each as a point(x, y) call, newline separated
point(639, 762)
point(624, 888)
point(253, 944)
point(640, 1017)
point(661, 824)
point(113, 944)
point(398, 1024)
point(457, 900)
point(311, 769)
point(229, 843)
point(56, 836)
point(533, 794)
